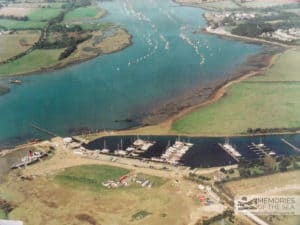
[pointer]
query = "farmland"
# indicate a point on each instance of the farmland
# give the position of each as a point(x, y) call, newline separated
point(36, 60)
point(63, 32)
point(44, 14)
point(21, 25)
point(273, 104)
point(19, 41)
point(83, 13)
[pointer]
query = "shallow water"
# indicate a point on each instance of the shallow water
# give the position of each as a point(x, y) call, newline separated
point(165, 60)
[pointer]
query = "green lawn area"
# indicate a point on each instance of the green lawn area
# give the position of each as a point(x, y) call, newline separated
point(31, 62)
point(89, 176)
point(2, 214)
point(21, 25)
point(81, 13)
point(44, 14)
point(255, 103)
point(286, 69)
point(157, 181)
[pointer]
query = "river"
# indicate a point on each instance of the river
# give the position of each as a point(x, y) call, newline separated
point(112, 91)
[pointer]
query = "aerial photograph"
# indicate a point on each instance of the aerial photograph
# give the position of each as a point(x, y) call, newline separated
point(150, 112)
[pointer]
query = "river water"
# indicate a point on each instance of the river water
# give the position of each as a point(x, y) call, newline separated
point(165, 60)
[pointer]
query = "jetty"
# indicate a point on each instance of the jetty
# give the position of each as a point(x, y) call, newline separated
point(174, 153)
point(291, 145)
point(44, 130)
point(261, 150)
point(230, 150)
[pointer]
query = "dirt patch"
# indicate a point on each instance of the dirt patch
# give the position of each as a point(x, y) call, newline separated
point(15, 11)
point(86, 218)
point(50, 204)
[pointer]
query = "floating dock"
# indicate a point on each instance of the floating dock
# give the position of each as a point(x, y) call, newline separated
point(261, 150)
point(291, 145)
point(175, 152)
point(231, 151)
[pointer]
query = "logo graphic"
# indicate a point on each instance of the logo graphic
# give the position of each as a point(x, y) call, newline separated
point(268, 205)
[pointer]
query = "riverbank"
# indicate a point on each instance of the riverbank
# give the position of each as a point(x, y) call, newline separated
point(161, 121)
point(71, 34)
point(107, 46)
point(273, 106)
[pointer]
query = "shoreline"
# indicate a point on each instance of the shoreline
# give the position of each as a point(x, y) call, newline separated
point(62, 65)
point(164, 127)
point(177, 106)
point(216, 92)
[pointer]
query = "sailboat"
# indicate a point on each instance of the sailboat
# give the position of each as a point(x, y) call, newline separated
point(104, 150)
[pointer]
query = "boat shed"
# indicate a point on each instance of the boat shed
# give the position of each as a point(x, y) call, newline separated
point(10, 222)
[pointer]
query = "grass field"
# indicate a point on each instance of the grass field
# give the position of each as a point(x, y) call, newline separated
point(98, 26)
point(16, 43)
point(269, 101)
point(68, 197)
point(36, 60)
point(82, 13)
point(21, 25)
point(90, 176)
point(274, 184)
point(44, 14)
point(2, 214)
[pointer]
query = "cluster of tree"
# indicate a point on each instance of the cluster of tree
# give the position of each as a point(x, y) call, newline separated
point(271, 130)
point(230, 171)
point(62, 43)
point(68, 51)
point(193, 175)
point(268, 165)
point(285, 162)
point(252, 29)
point(226, 214)
point(72, 47)
point(76, 3)
point(11, 17)
point(65, 28)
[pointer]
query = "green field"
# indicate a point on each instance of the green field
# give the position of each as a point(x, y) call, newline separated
point(21, 25)
point(2, 214)
point(34, 61)
point(269, 101)
point(99, 26)
point(44, 14)
point(81, 13)
point(18, 42)
point(90, 176)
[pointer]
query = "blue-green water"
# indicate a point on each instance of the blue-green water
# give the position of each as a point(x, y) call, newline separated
point(165, 60)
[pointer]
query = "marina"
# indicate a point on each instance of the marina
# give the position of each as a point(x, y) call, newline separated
point(193, 152)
